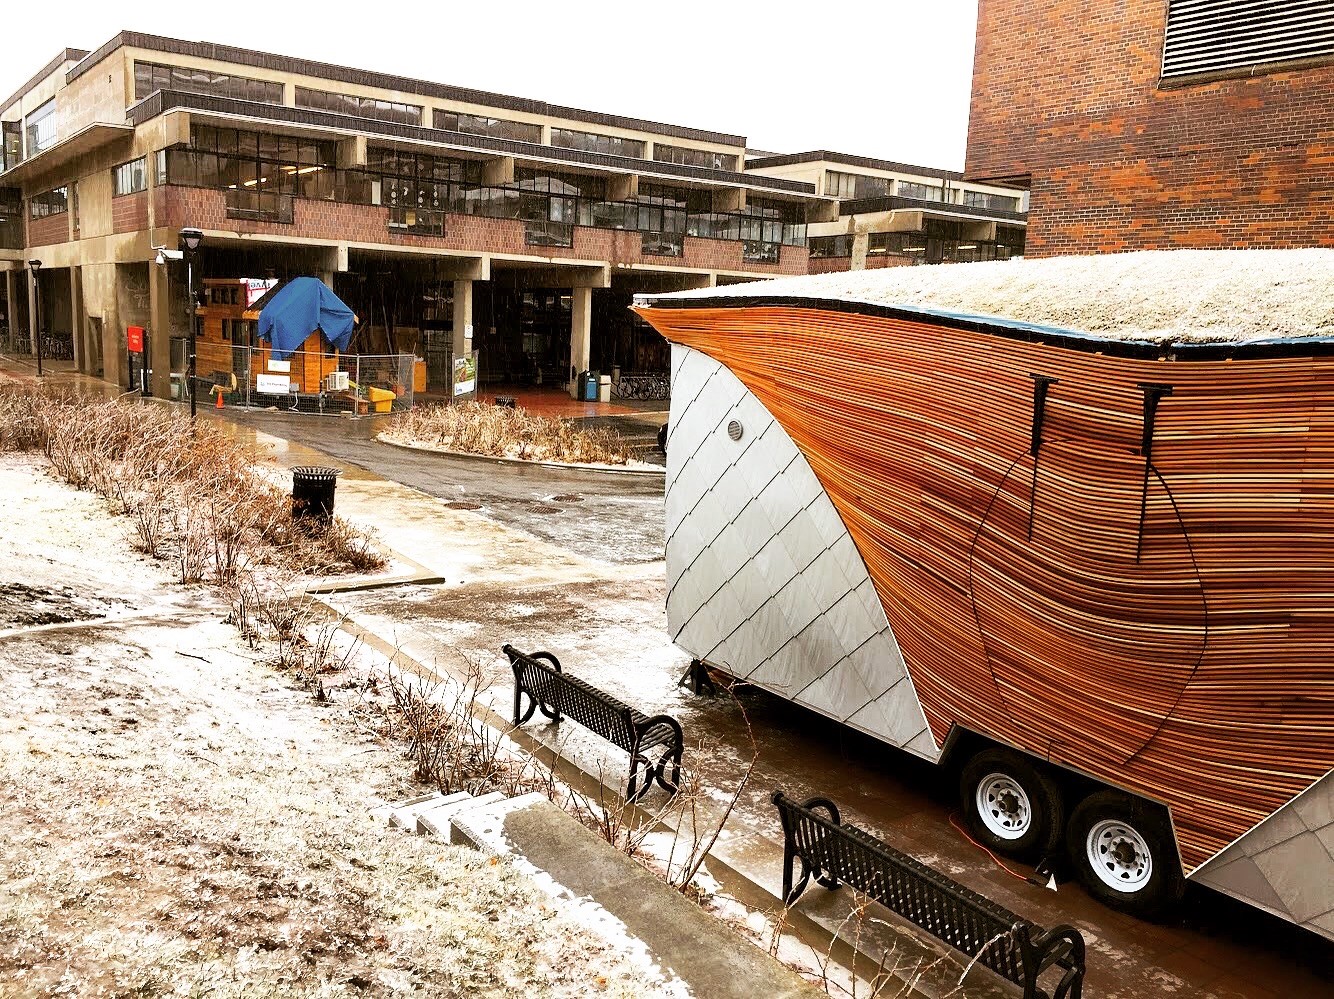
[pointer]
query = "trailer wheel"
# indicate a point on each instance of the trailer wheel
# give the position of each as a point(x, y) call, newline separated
point(1125, 854)
point(1011, 805)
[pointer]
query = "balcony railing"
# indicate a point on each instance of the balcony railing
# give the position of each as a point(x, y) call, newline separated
point(259, 206)
point(664, 244)
point(418, 221)
point(548, 233)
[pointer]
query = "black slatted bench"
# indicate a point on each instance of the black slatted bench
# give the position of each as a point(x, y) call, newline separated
point(654, 743)
point(832, 852)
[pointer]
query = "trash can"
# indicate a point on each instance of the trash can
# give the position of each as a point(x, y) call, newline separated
point(590, 386)
point(313, 493)
point(604, 388)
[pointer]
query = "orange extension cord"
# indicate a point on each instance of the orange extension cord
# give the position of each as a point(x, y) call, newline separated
point(1034, 879)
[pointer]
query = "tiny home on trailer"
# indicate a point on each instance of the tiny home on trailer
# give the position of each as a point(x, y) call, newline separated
point(1064, 524)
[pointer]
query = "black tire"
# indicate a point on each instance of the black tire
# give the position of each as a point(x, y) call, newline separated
point(1041, 833)
point(1120, 822)
point(662, 438)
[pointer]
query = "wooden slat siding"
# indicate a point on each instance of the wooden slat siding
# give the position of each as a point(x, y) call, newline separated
point(1200, 676)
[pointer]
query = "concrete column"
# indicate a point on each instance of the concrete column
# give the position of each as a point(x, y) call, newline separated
point(861, 242)
point(581, 334)
point(33, 319)
point(462, 318)
point(159, 329)
point(76, 323)
point(12, 302)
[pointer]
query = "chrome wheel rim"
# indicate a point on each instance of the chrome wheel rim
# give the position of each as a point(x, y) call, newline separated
point(1119, 855)
point(1003, 807)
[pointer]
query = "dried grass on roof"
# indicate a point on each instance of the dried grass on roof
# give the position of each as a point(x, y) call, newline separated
point(1201, 296)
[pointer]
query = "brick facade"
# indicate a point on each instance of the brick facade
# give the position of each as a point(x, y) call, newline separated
point(206, 209)
point(129, 213)
point(1072, 100)
point(49, 230)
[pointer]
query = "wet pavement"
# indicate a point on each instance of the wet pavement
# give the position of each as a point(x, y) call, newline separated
point(613, 517)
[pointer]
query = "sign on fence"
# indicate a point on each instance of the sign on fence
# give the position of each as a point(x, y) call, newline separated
point(273, 384)
point(134, 338)
point(465, 374)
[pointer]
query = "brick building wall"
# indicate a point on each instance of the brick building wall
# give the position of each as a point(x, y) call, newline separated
point(129, 212)
point(49, 230)
point(206, 209)
point(1070, 97)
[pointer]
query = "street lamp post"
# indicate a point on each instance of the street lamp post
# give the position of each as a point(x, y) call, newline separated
point(36, 266)
point(190, 240)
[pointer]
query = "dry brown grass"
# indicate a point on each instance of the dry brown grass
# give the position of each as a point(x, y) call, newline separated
point(501, 432)
point(192, 492)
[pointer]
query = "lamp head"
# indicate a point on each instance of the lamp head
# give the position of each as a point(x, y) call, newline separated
point(191, 238)
point(35, 264)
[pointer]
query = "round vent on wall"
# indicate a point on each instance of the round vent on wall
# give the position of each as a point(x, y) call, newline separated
point(734, 430)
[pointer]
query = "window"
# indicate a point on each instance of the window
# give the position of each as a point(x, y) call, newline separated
point(497, 128)
point(830, 246)
point(362, 107)
point(42, 128)
point(12, 154)
point(706, 158)
point(11, 218)
point(151, 76)
point(992, 202)
point(921, 192)
point(851, 186)
point(53, 202)
point(1205, 35)
point(130, 178)
point(592, 142)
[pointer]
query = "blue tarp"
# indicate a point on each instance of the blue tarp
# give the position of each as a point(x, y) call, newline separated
point(298, 309)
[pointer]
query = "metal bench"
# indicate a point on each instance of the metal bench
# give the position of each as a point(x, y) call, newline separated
point(654, 743)
point(833, 852)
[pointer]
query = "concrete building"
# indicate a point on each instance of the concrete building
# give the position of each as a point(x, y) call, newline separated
point(495, 223)
point(1163, 124)
point(893, 214)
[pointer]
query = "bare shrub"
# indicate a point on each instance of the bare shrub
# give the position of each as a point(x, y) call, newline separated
point(186, 484)
point(502, 432)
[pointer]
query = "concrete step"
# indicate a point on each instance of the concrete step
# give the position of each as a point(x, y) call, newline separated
point(422, 826)
point(403, 814)
point(482, 826)
point(439, 820)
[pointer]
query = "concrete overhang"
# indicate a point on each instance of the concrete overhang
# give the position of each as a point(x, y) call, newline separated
point(551, 273)
point(82, 142)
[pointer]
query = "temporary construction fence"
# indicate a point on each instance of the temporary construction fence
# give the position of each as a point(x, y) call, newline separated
point(313, 382)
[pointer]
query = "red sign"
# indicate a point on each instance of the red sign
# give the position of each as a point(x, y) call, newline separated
point(135, 336)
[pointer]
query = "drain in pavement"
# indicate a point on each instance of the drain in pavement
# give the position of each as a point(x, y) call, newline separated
point(463, 505)
point(567, 498)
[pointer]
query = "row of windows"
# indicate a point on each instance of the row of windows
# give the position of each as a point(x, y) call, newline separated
point(364, 107)
point(939, 241)
point(129, 178)
point(850, 185)
point(497, 128)
point(593, 142)
point(53, 202)
point(706, 158)
point(255, 145)
point(151, 76)
point(533, 195)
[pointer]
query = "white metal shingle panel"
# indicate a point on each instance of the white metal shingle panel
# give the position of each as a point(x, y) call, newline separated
point(762, 575)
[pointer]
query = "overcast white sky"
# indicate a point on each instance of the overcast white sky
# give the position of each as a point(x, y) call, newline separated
point(888, 79)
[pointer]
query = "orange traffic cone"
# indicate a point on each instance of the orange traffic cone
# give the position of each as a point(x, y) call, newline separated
point(218, 393)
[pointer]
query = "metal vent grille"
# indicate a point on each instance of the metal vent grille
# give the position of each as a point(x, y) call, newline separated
point(1207, 35)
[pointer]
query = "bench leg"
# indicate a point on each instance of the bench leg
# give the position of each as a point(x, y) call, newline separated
point(659, 772)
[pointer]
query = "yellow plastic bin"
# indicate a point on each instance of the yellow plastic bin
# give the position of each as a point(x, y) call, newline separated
point(381, 399)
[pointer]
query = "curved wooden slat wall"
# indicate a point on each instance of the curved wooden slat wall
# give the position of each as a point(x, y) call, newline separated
point(1198, 673)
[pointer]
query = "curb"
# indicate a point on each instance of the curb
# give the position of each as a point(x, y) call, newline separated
point(570, 466)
